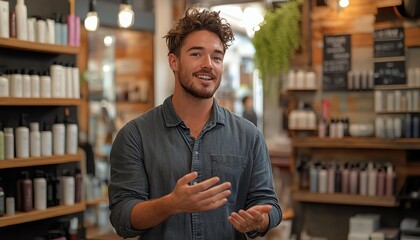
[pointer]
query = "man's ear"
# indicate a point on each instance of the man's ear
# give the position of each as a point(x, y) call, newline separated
point(173, 62)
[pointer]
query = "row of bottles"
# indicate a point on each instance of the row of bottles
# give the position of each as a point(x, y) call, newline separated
point(367, 179)
point(360, 80)
point(407, 126)
point(301, 79)
point(63, 82)
point(15, 23)
point(42, 191)
point(335, 128)
point(23, 142)
point(303, 118)
point(397, 101)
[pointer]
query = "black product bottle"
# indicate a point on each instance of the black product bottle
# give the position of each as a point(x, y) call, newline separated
point(50, 191)
point(337, 179)
point(1, 200)
point(27, 193)
point(78, 185)
point(57, 190)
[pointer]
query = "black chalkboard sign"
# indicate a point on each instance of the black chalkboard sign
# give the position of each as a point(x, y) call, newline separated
point(337, 61)
point(388, 42)
point(390, 73)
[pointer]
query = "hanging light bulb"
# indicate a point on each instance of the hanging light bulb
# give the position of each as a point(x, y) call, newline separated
point(92, 19)
point(126, 14)
point(344, 3)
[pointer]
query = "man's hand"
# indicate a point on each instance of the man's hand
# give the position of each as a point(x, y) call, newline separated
point(189, 196)
point(253, 219)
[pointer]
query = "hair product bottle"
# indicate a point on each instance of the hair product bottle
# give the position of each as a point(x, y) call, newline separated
point(322, 180)
point(363, 182)
point(40, 191)
point(35, 140)
point(380, 183)
point(354, 177)
point(1, 200)
point(22, 139)
point(21, 20)
point(390, 181)
point(372, 179)
point(45, 88)
point(1, 142)
point(27, 194)
point(68, 188)
point(59, 136)
point(9, 143)
point(46, 141)
point(71, 134)
point(78, 184)
point(35, 84)
point(4, 86)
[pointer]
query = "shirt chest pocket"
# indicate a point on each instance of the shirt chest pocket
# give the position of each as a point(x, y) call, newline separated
point(229, 169)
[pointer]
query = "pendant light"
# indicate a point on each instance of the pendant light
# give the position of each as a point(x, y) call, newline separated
point(126, 14)
point(92, 19)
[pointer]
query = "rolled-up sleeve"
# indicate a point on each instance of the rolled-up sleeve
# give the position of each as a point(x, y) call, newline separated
point(128, 183)
point(261, 190)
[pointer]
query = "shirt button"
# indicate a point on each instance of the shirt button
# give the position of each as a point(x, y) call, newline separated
point(195, 153)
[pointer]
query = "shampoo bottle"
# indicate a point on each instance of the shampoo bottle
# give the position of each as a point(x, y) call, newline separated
point(68, 188)
point(27, 193)
point(35, 84)
point(21, 20)
point(40, 191)
point(22, 139)
point(1, 142)
point(59, 137)
point(9, 143)
point(71, 134)
point(4, 86)
point(35, 140)
point(78, 184)
point(46, 141)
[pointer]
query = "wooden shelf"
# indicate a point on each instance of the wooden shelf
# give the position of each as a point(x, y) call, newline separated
point(348, 199)
point(37, 47)
point(397, 112)
point(356, 142)
point(396, 87)
point(37, 161)
point(23, 217)
point(8, 101)
point(96, 201)
point(388, 3)
point(302, 89)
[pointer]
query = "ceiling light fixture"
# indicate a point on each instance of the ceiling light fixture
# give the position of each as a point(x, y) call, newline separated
point(344, 3)
point(126, 14)
point(92, 19)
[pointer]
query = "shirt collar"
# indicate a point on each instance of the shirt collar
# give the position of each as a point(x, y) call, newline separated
point(172, 119)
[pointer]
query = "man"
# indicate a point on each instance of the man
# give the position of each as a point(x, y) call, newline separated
point(249, 112)
point(190, 169)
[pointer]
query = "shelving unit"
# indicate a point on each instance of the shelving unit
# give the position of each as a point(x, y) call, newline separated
point(38, 56)
point(38, 161)
point(39, 102)
point(23, 217)
point(348, 199)
point(357, 143)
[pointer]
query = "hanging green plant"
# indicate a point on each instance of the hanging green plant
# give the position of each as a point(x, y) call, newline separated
point(275, 43)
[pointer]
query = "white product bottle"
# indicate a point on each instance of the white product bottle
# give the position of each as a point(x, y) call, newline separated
point(58, 77)
point(76, 81)
point(41, 30)
point(45, 85)
point(59, 137)
point(40, 191)
point(31, 29)
point(21, 20)
point(291, 79)
point(372, 179)
point(378, 101)
point(4, 19)
point(26, 84)
point(71, 136)
point(15, 84)
point(1, 142)
point(50, 31)
point(46, 141)
point(69, 81)
point(35, 85)
point(9, 143)
point(22, 139)
point(35, 140)
point(4, 86)
point(322, 180)
point(68, 189)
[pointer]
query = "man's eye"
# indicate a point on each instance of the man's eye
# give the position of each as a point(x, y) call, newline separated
point(195, 54)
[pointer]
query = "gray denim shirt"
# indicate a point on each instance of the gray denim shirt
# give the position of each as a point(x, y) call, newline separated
point(154, 150)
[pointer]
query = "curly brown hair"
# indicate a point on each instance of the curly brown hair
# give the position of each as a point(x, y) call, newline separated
point(194, 20)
